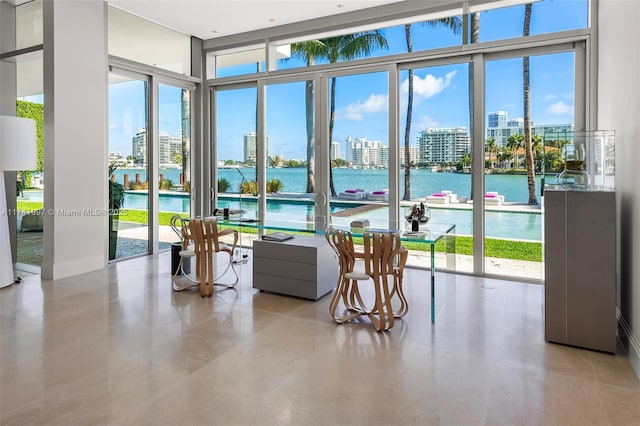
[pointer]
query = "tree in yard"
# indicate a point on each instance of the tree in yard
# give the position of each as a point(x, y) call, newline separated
point(332, 49)
point(526, 89)
point(502, 157)
point(455, 24)
point(513, 143)
point(491, 147)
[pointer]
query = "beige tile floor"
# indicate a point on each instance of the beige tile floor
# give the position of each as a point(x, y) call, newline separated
point(117, 346)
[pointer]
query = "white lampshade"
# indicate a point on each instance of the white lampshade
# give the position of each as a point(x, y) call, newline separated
point(17, 143)
point(17, 152)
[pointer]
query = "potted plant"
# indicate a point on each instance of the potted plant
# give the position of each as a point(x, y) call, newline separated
point(116, 201)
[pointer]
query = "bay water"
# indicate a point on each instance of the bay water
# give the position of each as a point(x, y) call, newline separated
point(423, 181)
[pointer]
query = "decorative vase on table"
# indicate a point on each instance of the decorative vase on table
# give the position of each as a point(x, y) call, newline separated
point(417, 216)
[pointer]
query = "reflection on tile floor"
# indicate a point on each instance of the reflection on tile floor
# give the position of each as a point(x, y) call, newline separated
point(118, 346)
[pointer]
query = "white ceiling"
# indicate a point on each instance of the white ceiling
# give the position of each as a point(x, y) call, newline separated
point(208, 19)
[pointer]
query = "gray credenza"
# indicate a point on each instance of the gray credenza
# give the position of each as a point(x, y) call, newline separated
point(302, 266)
point(580, 268)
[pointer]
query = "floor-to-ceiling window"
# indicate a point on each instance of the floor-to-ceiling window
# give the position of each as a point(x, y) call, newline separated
point(236, 153)
point(454, 114)
point(358, 112)
point(290, 174)
point(150, 132)
point(30, 183)
point(435, 149)
point(174, 157)
point(22, 78)
point(512, 199)
point(129, 166)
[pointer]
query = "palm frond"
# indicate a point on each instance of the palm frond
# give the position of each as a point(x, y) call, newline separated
point(454, 23)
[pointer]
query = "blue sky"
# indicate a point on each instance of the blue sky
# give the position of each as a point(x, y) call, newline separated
point(440, 93)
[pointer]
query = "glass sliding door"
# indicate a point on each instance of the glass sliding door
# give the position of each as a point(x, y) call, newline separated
point(30, 183)
point(174, 156)
point(513, 216)
point(359, 148)
point(435, 151)
point(129, 166)
point(290, 174)
point(236, 152)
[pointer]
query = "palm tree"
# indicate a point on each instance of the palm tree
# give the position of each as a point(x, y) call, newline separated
point(454, 24)
point(513, 143)
point(491, 148)
point(528, 151)
point(502, 157)
point(332, 49)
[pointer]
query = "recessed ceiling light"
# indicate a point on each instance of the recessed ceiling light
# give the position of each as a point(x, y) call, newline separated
point(340, 5)
point(272, 19)
point(215, 31)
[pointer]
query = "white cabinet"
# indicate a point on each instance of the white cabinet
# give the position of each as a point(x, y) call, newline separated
point(302, 266)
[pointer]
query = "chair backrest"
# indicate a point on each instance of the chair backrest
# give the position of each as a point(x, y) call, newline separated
point(204, 234)
point(342, 243)
point(211, 231)
point(380, 251)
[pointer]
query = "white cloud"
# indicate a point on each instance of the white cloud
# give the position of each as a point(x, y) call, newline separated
point(430, 85)
point(559, 108)
point(356, 111)
point(550, 97)
point(423, 123)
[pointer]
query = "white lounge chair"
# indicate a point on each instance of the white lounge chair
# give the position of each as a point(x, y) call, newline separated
point(352, 194)
point(453, 198)
point(493, 199)
point(381, 195)
point(438, 198)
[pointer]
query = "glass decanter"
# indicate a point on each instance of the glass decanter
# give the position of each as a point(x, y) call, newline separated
point(574, 174)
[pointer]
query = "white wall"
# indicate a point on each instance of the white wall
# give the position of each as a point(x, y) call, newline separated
point(75, 134)
point(619, 109)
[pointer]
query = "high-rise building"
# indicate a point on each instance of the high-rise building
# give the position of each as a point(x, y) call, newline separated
point(250, 151)
point(168, 146)
point(250, 147)
point(515, 126)
point(139, 147)
point(414, 154)
point(335, 150)
point(497, 119)
point(364, 153)
point(447, 145)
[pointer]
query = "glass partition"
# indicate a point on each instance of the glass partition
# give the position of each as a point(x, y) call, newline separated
point(359, 134)
point(236, 152)
point(129, 167)
point(288, 181)
point(174, 157)
point(30, 184)
point(435, 150)
point(512, 199)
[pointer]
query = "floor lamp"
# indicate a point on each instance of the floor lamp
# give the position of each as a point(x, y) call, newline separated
point(17, 152)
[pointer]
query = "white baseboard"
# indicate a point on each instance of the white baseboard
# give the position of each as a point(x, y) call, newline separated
point(631, 342)
point(67, 269)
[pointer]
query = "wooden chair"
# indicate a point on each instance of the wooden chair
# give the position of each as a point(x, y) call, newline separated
point(375, 264)
point(206, 238)
point(180, 226)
